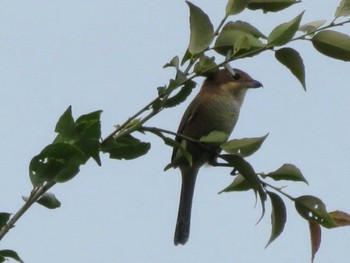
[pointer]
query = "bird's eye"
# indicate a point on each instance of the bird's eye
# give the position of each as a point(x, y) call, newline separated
point(236, 76)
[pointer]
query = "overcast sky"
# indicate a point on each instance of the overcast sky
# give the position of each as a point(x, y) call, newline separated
point(109, 55)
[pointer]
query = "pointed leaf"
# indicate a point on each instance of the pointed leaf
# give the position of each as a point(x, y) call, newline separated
point(181, 77)
point(202, 30)
point(312, 26)
point(175, 62)
point(234, 7)
point(278, 216)
point(49, 200)
point(244, 147)
point(271, 5)
point(126, 147)
point(314, 210)
point(341, 218)
point(65, 126)
point(343, 9)
point(6, 253)
point(315, 236)
point(88, 128)
point(332, 44)
point(283, 33)
point(293, 61)
point(4, 217)
point(247, 171)
point(239, 184)
point(187, 56)
point(287, 172)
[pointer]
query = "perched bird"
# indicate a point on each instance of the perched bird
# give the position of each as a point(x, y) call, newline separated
point(215, 108)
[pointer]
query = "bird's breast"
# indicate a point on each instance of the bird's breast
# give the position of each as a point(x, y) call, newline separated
point(222, 113)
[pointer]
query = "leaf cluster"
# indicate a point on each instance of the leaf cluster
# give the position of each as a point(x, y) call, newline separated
point(308, 207)
point(76, 142)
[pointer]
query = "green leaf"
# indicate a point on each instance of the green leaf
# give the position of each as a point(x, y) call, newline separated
point(287, 172)
point(315, 237)
point(57, 162)
point(241, 43)
point(175, 62)
point(65, 126)
point(215, 137)
point(49, 200)
point(75, 143)
point(332, 44)
point(4, 217)
point(340, 217)
point(244, 147)
point(181, 96)
point(271, 5)
point(84, 133)
point(278, 216)
point(90, 118)
point(202, 30)
point(6, 253)
point(239, 184)
point(187, 56)
point(234, 7)
point(312, 26)
point(293, 61)
point(238, 36)
point(247, 171)
point(283, 33)
point(205, 64)
point(88, 129)
point(343, 9)
point(244, 27)
point(180, 77)
point(314, 210)
point(126, 147)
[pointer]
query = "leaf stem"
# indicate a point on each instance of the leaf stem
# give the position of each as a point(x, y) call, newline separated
point(278, 190)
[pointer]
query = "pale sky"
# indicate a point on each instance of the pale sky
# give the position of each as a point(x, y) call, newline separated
point(109, 55)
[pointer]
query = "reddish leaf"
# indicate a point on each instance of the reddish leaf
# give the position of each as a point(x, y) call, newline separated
point(315, 235)
point(341, 218)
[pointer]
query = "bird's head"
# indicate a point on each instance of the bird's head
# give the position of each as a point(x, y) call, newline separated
point(233, 81)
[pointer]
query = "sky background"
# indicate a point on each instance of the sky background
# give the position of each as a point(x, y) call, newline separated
point(109, 55)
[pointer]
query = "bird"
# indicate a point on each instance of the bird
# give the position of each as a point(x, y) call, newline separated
point(215, 108)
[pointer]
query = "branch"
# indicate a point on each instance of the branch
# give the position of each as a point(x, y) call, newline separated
point(34, 196)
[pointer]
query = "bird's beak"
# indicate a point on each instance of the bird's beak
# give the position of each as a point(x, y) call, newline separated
point(255, 84)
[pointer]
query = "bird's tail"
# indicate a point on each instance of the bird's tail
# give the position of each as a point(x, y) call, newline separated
point(182, 231)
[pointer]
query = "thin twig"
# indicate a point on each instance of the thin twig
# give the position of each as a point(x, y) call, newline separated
point(34, 196)
point(155, 129)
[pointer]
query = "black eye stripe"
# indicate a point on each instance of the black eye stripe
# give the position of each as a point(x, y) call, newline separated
point(236, 76)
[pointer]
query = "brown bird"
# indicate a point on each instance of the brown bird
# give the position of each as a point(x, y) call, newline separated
point(215, 108)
